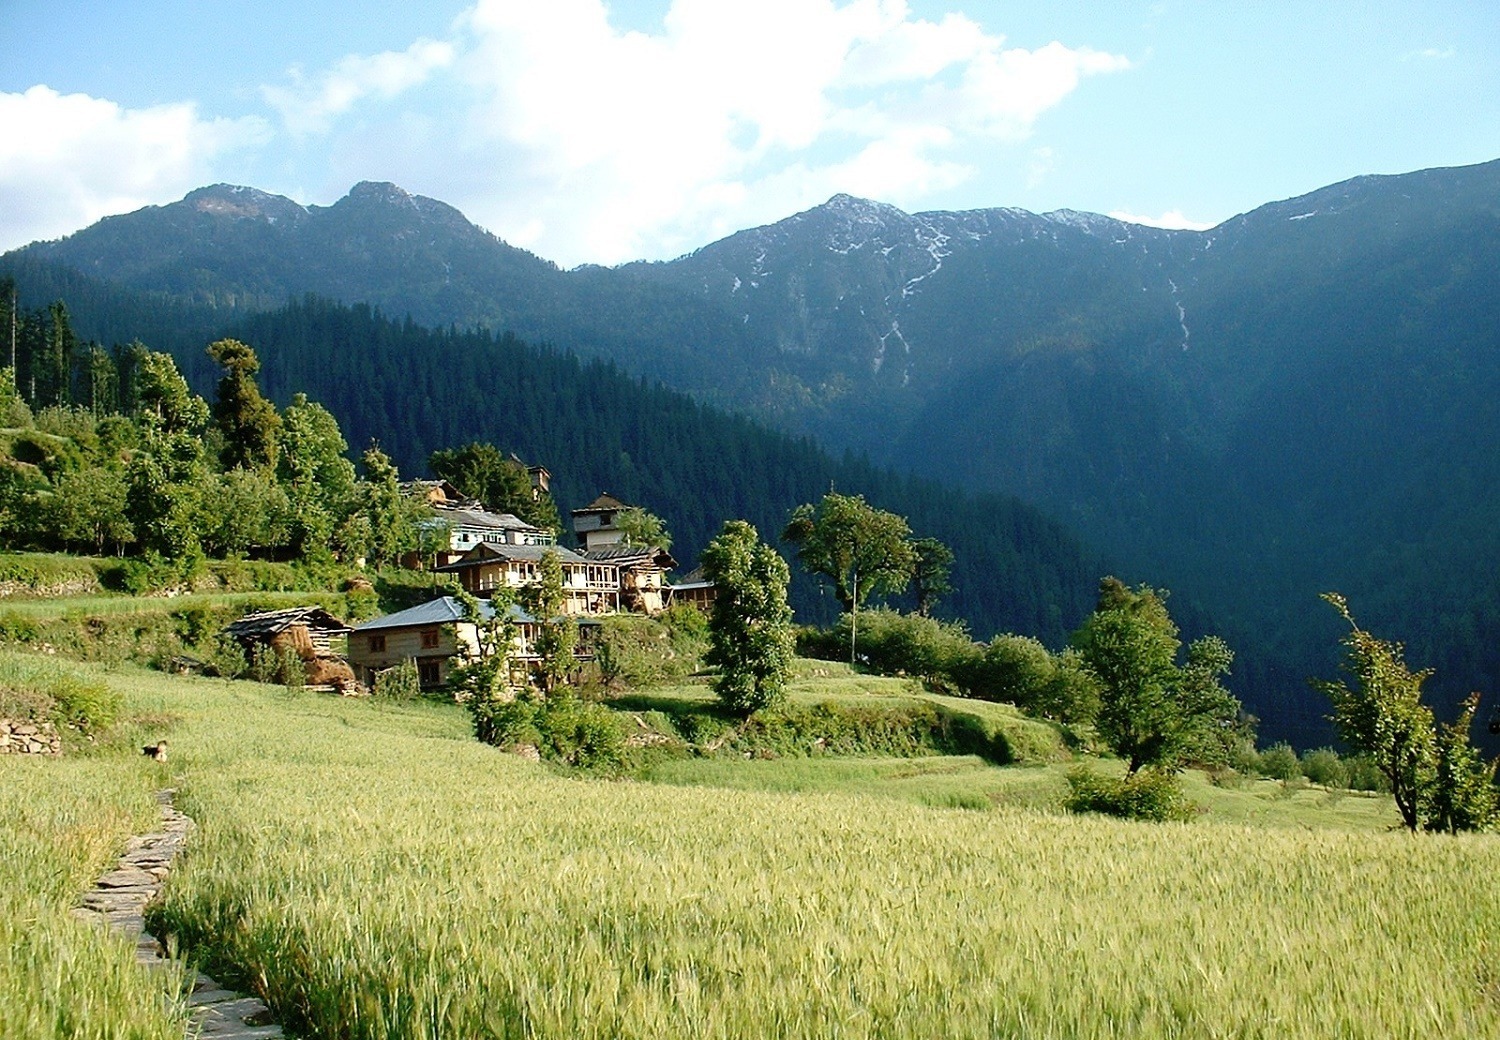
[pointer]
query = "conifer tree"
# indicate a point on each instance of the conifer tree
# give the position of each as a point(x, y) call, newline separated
point(248, 421)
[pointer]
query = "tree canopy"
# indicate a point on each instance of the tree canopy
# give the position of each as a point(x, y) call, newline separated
point(750, 630)
point(1152, 711)
point(860, 549)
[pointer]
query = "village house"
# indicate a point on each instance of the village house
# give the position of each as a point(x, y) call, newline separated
point(694, 589)
point(589, 586)
point(643, 569)
point(595, 523)
point(437, 637)
point(466, 528)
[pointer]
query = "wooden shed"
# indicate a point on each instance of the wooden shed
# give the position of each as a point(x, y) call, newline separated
point(306, 632)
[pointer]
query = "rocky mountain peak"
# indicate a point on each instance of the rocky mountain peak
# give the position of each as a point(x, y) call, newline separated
point(239, 202)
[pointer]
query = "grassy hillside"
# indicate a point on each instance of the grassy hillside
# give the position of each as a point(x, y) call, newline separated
point(380, 874)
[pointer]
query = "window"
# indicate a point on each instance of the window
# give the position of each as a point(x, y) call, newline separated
point(429, 639)
point(429, 673)
point(377, 644)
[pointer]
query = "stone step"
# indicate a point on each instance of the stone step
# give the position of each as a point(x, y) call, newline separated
point(119, 900)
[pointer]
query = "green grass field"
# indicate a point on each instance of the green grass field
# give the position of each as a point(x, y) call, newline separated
point(376, 873)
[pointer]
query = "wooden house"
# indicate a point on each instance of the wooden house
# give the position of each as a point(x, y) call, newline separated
point(438, 638)
point(693, 589)
point(590, 586)
point(434, 635)
point(643, 572)
point(595, 523)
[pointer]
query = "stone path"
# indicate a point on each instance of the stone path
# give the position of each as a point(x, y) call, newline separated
point(119, 899)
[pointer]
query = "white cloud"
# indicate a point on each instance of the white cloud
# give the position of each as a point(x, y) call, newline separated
point(597, 144)
point(67, 160)
point(309, 108)
point(1431, 54)
point(1172, 220)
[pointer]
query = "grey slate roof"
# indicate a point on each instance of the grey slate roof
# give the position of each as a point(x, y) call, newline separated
point(483, 518)
point(442, 611)
point(486, 552)
point(605, 503)
point(625, 555)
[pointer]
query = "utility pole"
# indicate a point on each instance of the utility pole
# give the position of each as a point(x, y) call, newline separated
point(854, 618)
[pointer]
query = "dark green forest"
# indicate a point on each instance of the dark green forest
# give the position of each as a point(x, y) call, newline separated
point(413, 390)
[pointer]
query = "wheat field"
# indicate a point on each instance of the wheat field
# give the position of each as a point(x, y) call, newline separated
point(375, 873)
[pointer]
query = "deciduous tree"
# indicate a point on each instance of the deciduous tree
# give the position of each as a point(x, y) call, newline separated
point(557, 631)
point(860, 549)
point(1153, 712)
point(933, 562)
point(643, 528)
point(750, 630)
point(1438, 780)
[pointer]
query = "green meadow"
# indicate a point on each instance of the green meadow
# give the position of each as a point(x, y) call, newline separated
point(376, 873)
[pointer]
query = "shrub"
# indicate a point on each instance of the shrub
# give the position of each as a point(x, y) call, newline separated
point(1324, 766)
point(85, 706)
point(226, 659)
point(562, 728)
point(400, 683)
point(638, 652)
point(18, 628)
point(1279, 762)
point(893, 643)
point(1365, 775)
point(1149, 794)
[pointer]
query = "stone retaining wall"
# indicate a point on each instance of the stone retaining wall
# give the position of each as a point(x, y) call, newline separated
point(29, 738)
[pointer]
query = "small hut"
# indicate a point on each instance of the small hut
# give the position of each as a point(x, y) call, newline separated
point(304, 632)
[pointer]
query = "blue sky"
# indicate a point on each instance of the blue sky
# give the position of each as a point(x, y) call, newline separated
point(600, 131)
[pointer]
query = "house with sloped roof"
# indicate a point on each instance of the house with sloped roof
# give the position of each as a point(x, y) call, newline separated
point(435, 636)
point(468, 527)
point(643, 573)
point(589, 586)
point(304, 633)
point(693, 589)
point(595, 523)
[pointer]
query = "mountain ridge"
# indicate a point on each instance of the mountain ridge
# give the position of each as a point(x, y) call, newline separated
point(1239, 413)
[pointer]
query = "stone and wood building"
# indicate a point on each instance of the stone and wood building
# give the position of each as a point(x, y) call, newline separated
point(307, 633)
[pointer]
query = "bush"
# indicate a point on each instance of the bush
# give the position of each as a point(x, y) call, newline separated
point(562, 728)
point(18, 628)
point(227, 659)
point(893, 643)
point(1279, 762)
point(1149, 794)
point(637, 652)
point(1324, 766)
point(400, 683)
point(1365, 775)
point(85, 706)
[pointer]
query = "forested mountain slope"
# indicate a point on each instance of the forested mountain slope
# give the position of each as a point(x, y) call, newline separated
point(415, 390)
point(1299, 399)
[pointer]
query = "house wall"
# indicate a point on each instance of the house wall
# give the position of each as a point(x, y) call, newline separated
point(403, 644)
